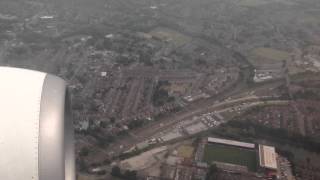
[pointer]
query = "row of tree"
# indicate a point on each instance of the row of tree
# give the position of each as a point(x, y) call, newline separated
point(161, 95)
point(126, 175)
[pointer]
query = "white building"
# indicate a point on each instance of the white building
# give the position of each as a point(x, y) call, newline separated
point(231, 142)
point(268, 157)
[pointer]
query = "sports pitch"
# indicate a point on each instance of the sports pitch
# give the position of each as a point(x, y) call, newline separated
point(232, 155)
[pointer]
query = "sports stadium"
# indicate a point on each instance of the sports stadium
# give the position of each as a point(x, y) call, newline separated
point(236, 156)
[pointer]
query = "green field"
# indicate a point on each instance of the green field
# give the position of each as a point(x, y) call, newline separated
point(256, 3)
point(253, 3)
point(232, 155)
point(271, 54)
point(309, 19)
point(185, 151)
point(170, 35)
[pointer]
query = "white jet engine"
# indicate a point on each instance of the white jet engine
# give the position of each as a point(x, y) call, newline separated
point(36, 129)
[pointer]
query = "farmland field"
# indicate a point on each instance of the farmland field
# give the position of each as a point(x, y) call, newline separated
point(232, 155)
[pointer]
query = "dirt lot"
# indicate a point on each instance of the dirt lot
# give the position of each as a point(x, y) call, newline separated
point(143, 161)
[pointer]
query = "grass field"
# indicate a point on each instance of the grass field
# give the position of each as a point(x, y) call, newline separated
point(309, 19)
point(175, 37)
point(185, 151)
point(178, 88)
point(252, 3)
point(232, 155)
point(271, 54)
point(255, 3)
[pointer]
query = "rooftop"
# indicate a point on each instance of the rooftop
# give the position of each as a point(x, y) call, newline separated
point(231, 142)
point(267, 157)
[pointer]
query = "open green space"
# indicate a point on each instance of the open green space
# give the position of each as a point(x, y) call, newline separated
point(252, 3)
point(309, 19)
point(232, 155)
point(185, 151)
point(271, 54)
point(170, 35)
point(256, 3)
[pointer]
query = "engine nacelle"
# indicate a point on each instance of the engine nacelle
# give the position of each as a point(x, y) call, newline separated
point(36, 128)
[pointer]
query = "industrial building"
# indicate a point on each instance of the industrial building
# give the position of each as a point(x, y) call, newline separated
point(266, 156)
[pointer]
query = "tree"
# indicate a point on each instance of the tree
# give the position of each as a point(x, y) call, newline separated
point(161, 96)
point(112, 120)
point(135, 123)
point(84, 152)
point(82, 165)
point(103, 124)
point(211, 175)
point(116, 172)
point(130, 175)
